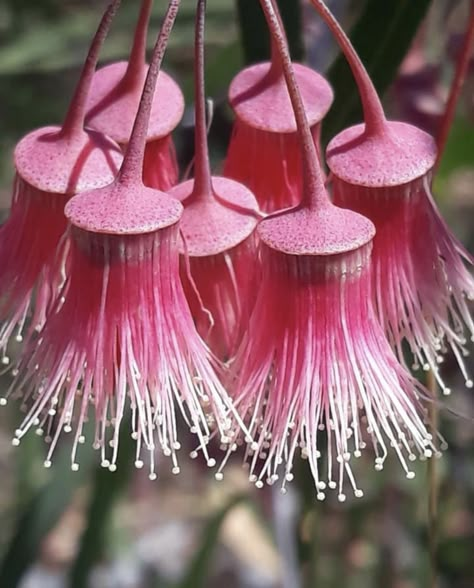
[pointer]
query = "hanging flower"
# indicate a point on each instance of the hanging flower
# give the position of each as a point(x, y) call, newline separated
point(219, 262)
point(52, 163)
point(264, 150)
point(314, 370)
point(122, 328)
point(383, 169)
point(113, 105)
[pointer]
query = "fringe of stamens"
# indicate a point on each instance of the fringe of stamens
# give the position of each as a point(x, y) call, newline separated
point(421, 285)
point(123, 336)
point(220, 291)
point(30, 273)
point(315, 374)
point(160, 166)
point(269, 164)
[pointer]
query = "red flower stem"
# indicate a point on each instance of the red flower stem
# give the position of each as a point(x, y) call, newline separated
point(314, 193)
point(441, 140)
point(202, 167)
point(137, 59)
point(132, 166)
point(74, 120)
point(374, 115)
point(276, 69)
point(456, 87)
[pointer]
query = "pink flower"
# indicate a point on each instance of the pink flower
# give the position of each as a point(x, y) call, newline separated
point(314, 371)
point(264, 150)
point(122, 333)
point(421, 285)
point(219, 266)
point(383, 169)
point(219, 261)
point(114, 100)
point(52, 163)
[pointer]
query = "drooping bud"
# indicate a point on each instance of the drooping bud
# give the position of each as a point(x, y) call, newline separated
point(114, 101)
point(383, 169)
point(219, 219)
point(264, 150)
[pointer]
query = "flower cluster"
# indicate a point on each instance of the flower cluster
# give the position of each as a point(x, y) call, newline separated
point(257, 308)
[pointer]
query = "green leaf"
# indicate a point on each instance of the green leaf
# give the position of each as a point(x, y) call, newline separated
point(220, 70)
point(106, 490)
point(41, 514)
point(55, 46)
point(254, 31)
point(381, 37)
point(197, 573)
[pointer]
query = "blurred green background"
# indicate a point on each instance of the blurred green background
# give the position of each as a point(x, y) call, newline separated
point(99, 529)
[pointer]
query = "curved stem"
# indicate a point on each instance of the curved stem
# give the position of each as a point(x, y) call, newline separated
point(314, 192)
point(433, 491)
point(74, 121)
point(137, 59)
point(456, 87)
point(202, 167)
point(275, 60)
point(132, 166)
point(374, 115)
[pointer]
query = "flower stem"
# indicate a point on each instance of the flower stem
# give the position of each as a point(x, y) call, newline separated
point(137, 58)
point(374, 115)
point(202, 167)
point(433, 490)
point(74, 121)
point(131, 170)
point(456, 86)
point(314, 193)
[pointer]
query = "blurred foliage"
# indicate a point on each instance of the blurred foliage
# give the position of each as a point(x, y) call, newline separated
point(106, 489)
point(41, 513)
point(197, 573)
point(378, 541)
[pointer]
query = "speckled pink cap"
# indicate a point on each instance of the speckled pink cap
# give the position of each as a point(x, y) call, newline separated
point(213, 225)
point(119, 210)
point(329, 230)
point(65, 164)
point(113, 104)
point(396, 156)
point(259, 97)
